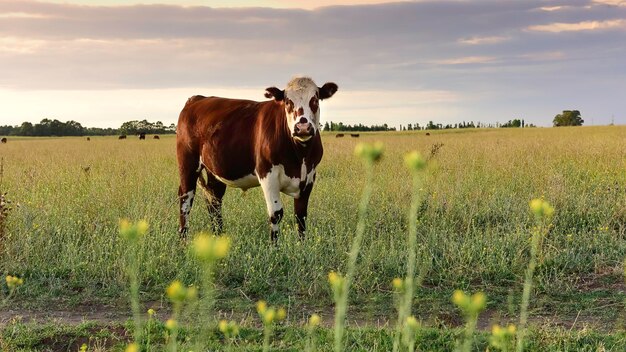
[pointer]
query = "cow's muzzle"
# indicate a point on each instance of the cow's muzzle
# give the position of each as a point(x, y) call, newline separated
point(303, 131)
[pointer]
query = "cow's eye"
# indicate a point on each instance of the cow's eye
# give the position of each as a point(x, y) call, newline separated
point(289, 105)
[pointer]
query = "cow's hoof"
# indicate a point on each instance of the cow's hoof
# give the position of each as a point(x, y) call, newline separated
point(274, 237)
point(182, 233)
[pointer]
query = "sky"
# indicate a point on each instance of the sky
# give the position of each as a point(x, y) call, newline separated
point(102, 63)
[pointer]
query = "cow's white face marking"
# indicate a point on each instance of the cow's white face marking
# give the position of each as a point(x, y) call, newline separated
point(302, 108)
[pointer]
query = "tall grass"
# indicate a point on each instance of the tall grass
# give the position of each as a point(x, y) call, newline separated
point(473, 217)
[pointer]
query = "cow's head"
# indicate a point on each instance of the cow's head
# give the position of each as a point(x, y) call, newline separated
point(301, 102)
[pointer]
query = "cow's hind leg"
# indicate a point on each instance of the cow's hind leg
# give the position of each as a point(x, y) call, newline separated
point(188, 171)
point(214, 191)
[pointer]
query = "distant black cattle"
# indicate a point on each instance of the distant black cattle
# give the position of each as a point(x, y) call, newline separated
point(354, 135)
point(339, 135)
point(3, 140)
point(142, 136)
point(156, 137)
point(122, 137)
point(88, 138)
point(428, 134)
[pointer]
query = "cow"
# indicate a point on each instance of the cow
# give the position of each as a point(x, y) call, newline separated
point(274, 144)
point(142, 136)
point(354, 135)
point(122, 137)
point(339, 135)
point(156, 137)
point(3, 140)
point(88, 139)
point(427, 133)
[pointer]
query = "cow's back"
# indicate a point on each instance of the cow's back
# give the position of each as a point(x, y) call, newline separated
point(222, 132)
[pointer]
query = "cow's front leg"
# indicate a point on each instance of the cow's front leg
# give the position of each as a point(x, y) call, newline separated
point(271, 190)
point(300, 206)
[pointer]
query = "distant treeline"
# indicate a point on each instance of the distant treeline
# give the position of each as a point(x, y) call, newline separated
point(438, 126)
point(57, 128)
point(331, 126)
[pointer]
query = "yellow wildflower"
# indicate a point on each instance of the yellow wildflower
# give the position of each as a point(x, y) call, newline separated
point(414, 161)
point(314, 320)
point(176, 291)
point(261, 307)
point(281, 314)
point(171, 324)
point(210, 248)
point(369, 152)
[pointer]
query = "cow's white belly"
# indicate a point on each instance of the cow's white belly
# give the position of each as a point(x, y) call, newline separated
point(275, 178)
point(244, 183)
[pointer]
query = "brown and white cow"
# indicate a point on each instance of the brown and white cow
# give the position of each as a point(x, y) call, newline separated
point(274, 144)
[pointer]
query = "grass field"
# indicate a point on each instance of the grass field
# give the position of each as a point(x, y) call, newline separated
point(68, 194)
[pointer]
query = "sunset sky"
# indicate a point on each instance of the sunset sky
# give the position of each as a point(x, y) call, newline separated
point(105, 62)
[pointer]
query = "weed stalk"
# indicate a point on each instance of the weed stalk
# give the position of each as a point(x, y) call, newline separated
point(370, 153)
point(543, 211)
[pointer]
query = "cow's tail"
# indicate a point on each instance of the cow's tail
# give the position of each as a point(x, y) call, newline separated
point(203, 182)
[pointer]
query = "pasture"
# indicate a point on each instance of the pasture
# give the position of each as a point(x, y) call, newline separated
point(67, 196)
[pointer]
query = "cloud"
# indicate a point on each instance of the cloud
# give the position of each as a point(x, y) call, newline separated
point(467, 60)
point(20, 46)
point(580, 26)
point(472, 48)
point(483, 40)
point(22, 15)
point(610, 2)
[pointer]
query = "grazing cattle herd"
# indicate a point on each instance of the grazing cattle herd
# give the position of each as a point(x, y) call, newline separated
point(274, 144)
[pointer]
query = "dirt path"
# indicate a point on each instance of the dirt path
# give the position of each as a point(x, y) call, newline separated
point(111, 315)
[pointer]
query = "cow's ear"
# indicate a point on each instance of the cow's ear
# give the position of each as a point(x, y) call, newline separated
point(273, 92)
point(328, 90)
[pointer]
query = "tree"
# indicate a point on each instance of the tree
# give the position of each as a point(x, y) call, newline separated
point(513, 123)
point(26, 129)
point(568, 118)
point(433, 126)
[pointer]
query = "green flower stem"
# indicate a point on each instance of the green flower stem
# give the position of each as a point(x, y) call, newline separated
point(470, 327)
point(406, 302)
point(310, 341)
point(133, 273)
point(206, 303)
point(342, 301)
point(267, 333)
point(173, 343)
point(528, 283)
